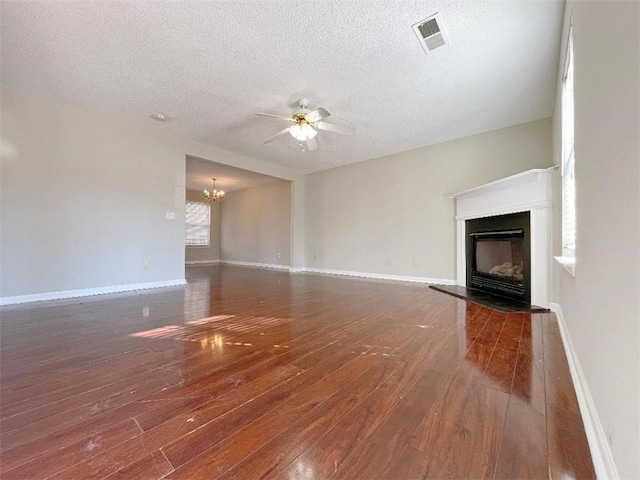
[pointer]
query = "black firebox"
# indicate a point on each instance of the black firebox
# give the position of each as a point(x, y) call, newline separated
point(499, 255)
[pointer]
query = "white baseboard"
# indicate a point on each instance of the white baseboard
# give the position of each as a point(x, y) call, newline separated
point(255, 264)
point(601, 456)
point(202, 262)
point(379, 276)
point(85, 292)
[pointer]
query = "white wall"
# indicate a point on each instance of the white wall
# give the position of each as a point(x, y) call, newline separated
point(83, 198)
point(601, 305)
point(397, 208)
point(256, 224)
point(210, 253)
point(84, 202)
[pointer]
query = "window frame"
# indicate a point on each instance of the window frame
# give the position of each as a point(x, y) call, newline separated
point(208, 224)
point(567, 165)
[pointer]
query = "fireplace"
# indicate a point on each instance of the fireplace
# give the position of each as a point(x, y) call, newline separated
point(528, 192)
point(499, 255)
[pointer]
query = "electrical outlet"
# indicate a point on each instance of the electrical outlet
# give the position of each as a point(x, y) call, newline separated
point(389, 262)
point(315, 256)
point(146, 264)
point(279, 254)
point(415, 262)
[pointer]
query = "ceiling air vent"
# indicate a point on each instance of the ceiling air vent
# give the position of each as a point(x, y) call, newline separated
point(429, 32)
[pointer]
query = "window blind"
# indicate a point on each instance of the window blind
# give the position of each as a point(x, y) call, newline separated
point(568, 158)
point(198, 220)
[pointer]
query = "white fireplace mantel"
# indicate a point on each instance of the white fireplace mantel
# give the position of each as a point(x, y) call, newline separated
point(529, 191)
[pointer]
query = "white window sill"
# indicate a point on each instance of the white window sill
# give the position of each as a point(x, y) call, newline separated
point(568, 263)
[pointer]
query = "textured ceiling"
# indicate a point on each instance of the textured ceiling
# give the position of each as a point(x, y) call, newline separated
point(210, 66)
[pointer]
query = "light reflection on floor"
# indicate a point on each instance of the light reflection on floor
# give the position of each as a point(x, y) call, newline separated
point(214, 341)
point(207, 320)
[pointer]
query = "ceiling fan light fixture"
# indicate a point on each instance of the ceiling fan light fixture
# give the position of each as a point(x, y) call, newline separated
point(305, 125)
point(302, 131)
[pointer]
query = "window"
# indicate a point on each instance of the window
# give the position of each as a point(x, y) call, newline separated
point(198, 219)
point(568, 158)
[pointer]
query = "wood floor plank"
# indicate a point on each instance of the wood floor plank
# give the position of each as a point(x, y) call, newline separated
point(467, 447)
point(402, 340)
point(121, 392)
point(369, 459)
point(523, 450)
point(559, 390)
point(331, 449)
point(152, 466)
point(134, 449)
point(232, 450)
point(61, 459)
point(567, 445)
point(529, 381)
point(255, 373)
point(69, 435)
point(501, 367)
point(83, 415)
point(283, 449)
point(182, 450)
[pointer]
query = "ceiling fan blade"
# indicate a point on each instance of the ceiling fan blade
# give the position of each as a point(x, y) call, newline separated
point(331, 127)
point(275, 116)
point(317, 115)
point(312, 144)
point(279, 134)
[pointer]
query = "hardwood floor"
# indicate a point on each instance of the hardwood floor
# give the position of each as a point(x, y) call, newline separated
point(252, 373)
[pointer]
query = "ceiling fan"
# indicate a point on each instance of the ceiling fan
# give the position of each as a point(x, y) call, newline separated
point(306, 124)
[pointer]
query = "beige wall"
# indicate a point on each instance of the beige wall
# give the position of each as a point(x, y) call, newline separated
point(84, 197)
point(197, 254)
point(256, 224)
point(601, 304)
point(397, 208)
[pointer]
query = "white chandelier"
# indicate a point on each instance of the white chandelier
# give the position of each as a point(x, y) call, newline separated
point(214, 195)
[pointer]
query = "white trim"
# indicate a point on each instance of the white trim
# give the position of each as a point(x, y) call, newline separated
point(504, 210)
point(202, 262)
point(461, 263)
point(601, 456)
point(377, 276)
point(507, 182)
point(540, 224)
point(380, 276)
point(255, 264)
point(85, 292)
point(568, 263)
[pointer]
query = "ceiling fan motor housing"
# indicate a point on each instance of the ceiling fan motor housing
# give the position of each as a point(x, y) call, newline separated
point(300, 114)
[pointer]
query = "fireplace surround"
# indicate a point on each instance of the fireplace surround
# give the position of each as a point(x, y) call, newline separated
point(530, 193)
